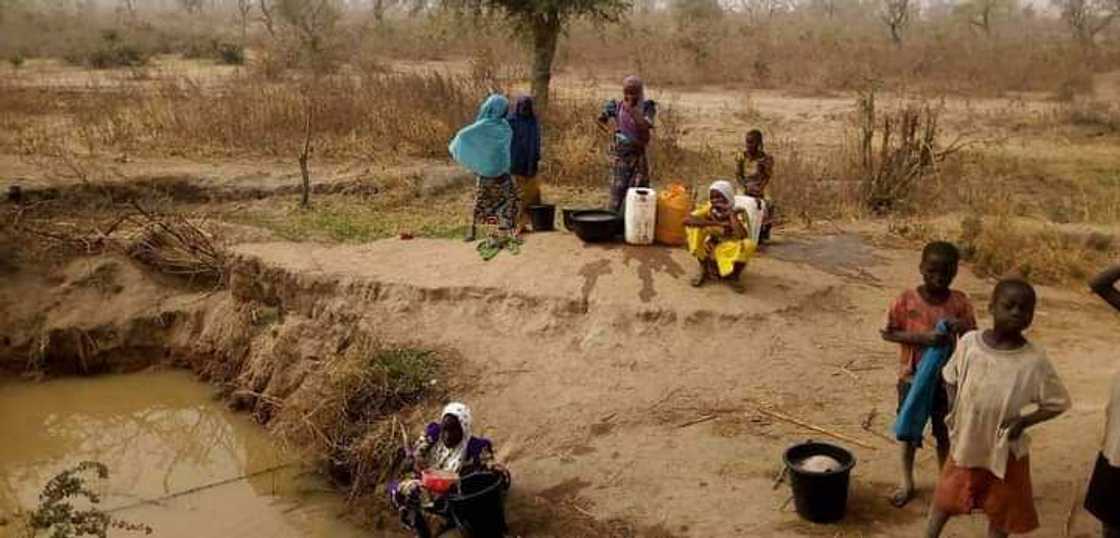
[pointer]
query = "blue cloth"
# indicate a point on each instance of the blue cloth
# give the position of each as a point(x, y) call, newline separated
point(525, 151)
point(915, 411)
point(483, 146)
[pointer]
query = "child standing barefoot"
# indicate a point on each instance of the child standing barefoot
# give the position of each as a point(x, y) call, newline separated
point(1103, 497)
point(911, 322)
point(992, 377)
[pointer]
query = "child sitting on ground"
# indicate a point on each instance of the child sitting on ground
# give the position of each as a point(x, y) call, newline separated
point(1104, 488)
point(911, 322)
point(993, 377)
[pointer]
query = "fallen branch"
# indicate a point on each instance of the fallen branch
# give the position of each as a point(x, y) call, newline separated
point(818, 429)
point(695, 421)
point(781, 477)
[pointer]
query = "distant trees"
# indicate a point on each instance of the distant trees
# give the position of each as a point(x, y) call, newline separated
point(542, 22)
point(1087, 18)
point(981, 14)
point(244, 8)
point(192, 6)
point(896, 15)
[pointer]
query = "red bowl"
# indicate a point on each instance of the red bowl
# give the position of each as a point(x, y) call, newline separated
point(438, 481)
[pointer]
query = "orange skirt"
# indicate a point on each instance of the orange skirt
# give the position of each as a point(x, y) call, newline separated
point(1008, 503)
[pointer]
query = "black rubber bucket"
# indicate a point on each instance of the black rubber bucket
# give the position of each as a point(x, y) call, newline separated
point(543, 217)
point(478, 509)
point(820, 497)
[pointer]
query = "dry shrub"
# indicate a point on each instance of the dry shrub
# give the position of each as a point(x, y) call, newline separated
point(997, 245)
point(896, 153)
point(806, 51)
point(177, 246)
point(409, 114)
point(1100, 116)
point(173, 244)
point(807, 188)
point(345, 411)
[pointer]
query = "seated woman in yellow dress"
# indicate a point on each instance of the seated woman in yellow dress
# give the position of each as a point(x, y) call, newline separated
point(718, 237)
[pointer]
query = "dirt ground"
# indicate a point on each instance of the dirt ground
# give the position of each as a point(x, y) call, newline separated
point(589, 363)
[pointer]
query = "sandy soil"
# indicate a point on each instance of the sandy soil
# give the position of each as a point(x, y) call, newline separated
point(587, 362)
point(590, 361)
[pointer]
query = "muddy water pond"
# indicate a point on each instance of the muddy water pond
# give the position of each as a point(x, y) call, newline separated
point(160, 433)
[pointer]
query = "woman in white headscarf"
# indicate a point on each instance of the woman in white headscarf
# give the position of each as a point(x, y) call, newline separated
point(446, 446)
point(718, 236)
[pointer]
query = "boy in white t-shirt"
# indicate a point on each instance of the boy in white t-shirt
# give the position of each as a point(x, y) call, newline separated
point(992, 377)
point(1103, 497)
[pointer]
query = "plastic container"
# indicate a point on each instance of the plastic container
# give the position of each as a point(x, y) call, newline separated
point(673, 206)
point(438, 481)
point(479, 506)
point(543, 217)
point(756, 212)
point(640, 216)
point(820, 497)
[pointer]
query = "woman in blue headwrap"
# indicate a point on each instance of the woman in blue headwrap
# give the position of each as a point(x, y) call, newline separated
point(525, 155)
point(483, 147)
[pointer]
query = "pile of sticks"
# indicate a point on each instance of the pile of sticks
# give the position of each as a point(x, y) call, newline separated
point(172, 244)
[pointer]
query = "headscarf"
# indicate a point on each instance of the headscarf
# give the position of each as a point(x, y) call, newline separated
point(632, 82)
point(483, 146)
point(626, 124)
point(525, 150)
point(725, 188)
point(452, 458)
point(523, 107)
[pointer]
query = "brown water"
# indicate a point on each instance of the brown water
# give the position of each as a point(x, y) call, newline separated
point(160, 433)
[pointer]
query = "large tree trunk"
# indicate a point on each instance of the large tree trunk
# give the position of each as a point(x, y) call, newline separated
point(546, 35)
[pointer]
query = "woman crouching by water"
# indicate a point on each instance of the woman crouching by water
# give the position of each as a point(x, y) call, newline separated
point(446, 446)
point(483, 147)
point(718, 237)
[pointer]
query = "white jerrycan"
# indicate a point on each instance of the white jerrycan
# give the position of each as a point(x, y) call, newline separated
point(641, 215)
point(756, 211)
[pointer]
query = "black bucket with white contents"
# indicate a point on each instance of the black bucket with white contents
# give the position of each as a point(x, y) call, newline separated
point(819, 474)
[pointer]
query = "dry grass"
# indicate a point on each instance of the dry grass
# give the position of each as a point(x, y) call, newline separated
point(346, 411)
point(998, 245)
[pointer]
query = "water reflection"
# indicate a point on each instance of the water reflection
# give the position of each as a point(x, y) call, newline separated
point(160, 433)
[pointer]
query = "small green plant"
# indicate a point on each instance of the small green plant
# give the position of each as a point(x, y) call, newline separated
point(17, 61)
point(56, 517)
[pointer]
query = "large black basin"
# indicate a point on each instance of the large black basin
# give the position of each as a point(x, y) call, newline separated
point(594, 225)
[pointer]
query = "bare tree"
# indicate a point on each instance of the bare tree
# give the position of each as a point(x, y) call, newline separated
point(416, 7)
point(265, 7)
point(192, 6)
point(379, 7)
point(762, 10)
point(981, 13)
point(129, 7)
point(896, 15)
point(1087, 18)
point(244, 8)
point(305, 153)
point(313, 20)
